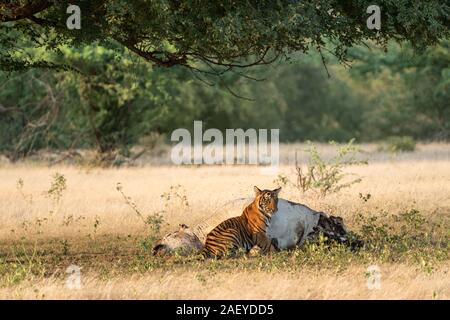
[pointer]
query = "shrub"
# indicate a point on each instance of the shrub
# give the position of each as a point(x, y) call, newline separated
point(152, 221)
point(325, 176)
point(59, 184)
point(398, 144)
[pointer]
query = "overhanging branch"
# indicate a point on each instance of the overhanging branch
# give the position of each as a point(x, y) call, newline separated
point(11, 12)
point(170, 61)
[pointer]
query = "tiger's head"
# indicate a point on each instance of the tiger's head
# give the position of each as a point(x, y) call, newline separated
point(267, 200)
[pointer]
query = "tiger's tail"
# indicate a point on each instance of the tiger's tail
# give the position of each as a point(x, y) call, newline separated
point(207, 253)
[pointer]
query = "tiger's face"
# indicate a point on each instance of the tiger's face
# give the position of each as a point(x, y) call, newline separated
point(267, 200)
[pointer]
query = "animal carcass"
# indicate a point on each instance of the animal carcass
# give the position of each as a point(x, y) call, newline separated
point(290, 226)
point(183, 241)
point(294, 223)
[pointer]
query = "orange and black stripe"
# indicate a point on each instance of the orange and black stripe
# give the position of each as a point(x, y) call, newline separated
point(245, 231)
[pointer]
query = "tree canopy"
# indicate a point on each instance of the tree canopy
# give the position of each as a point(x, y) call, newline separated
point(135, 61)
point(223, 35)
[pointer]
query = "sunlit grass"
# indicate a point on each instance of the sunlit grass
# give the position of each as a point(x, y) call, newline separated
point(401, 208)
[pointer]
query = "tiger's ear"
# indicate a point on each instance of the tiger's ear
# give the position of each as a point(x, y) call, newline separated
point(257, 191)
point(277, 191)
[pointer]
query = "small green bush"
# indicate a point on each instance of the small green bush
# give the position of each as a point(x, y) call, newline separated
point(398, 144)
point(59, 184)
point(324, 176)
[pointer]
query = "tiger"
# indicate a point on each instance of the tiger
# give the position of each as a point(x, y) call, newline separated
point(246, 230)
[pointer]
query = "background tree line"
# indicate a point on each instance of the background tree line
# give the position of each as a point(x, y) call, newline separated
point(140, 68)
point(113, 99)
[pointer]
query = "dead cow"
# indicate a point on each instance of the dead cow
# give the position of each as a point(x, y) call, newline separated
point(295, 223)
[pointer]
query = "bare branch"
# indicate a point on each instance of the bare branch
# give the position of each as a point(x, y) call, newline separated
point(323, 61)
point(259, 61)
point(235, 94)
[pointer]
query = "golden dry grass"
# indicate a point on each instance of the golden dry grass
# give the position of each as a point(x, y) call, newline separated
point(397, 282)
point(91, 208)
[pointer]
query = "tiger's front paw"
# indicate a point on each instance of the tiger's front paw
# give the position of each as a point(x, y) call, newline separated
point(255, 252)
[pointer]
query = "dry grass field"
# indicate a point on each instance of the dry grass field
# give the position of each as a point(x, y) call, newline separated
point(48, 224)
